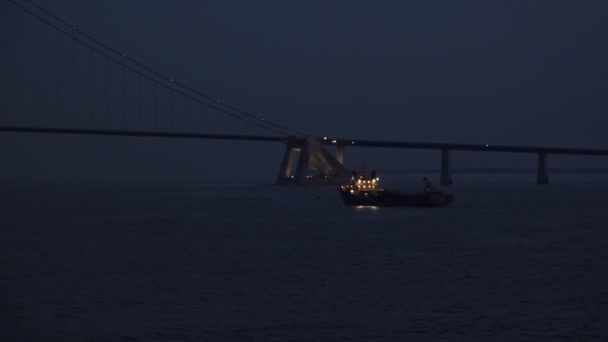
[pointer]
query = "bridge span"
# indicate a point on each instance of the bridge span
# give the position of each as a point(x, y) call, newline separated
point(447, 148)
point(308, 160)
point(57, 79)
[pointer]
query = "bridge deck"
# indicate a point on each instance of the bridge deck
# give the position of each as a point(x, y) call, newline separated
point(135, 133)
point(466, 147)
point(338, 142)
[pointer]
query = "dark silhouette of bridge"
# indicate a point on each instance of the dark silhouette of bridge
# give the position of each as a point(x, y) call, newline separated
point(57, 79)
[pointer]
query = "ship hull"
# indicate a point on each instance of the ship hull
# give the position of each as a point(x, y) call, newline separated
point(385, 198)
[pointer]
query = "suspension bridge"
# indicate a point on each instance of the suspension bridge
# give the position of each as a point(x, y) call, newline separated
point(57, 79)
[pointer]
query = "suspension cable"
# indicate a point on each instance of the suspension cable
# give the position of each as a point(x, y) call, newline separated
point(262, 124)
point(160, 75)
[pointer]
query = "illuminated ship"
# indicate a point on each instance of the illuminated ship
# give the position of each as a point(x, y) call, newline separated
point(364, 190)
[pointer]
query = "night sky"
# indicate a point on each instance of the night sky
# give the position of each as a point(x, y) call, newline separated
point(498, 72)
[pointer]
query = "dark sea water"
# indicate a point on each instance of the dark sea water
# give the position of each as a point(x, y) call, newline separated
point(509, 260)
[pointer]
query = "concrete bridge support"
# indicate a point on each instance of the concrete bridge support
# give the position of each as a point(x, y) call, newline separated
point(446, 168)
point(315, 164)
point(543, 169)
point(303, 163)
point(341, 154)
point(287, 164)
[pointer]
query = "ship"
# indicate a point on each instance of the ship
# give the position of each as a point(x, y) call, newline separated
point(364, 190)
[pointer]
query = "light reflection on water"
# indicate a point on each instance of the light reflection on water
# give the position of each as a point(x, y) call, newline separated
point(366, 207)
point(224, 261)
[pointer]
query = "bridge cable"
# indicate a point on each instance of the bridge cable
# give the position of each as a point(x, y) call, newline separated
point(4, 61)
point(187, 114)
point(20, 68)
point(124, 97)
point(155, 105)
point(171, 106)
point(158, 74)
point(139, 92)
point(91, 92)
point(108, 73)
point(22, 71)
point(202, 121)
point(75, 85)
point(57, 80)
point(41, 53)
point(122, 64)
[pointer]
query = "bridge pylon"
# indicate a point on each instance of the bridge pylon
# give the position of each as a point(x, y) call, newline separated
point(446, 168)
point(315, 165)
point(542, 176)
